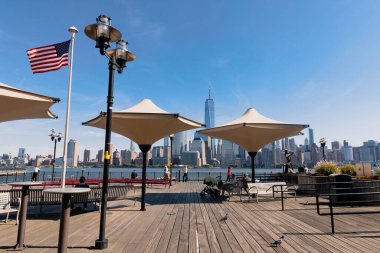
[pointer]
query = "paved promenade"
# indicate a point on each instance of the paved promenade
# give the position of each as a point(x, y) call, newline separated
point(178, 220)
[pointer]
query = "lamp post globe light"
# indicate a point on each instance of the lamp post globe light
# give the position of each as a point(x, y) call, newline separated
point(323, 144)
point(54, 137)
point(104, 34)
point(171, 159)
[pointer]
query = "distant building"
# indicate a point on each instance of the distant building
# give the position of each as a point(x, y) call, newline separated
point(72, 153)
point(21, 152)
point(199, 145)
point(86, 156)
point(227, 153)
point(191, 158)
point(100, 156)
point(179, 144)
point(116, 158)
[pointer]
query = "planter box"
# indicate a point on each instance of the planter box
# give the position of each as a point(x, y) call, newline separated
point(306, 184)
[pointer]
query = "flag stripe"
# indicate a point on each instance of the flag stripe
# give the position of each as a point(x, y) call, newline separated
point(49, 58)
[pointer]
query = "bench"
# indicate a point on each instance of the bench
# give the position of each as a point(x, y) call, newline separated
point(348, 199)
point(38, 198)
point(6, 207)
point(264, 189)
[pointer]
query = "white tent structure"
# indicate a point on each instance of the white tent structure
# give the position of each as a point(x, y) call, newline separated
point(16, 104)
point(144, 123)
point(252, 131)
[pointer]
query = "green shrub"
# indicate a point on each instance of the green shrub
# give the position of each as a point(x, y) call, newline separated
point(348, 169)
point(326, 168)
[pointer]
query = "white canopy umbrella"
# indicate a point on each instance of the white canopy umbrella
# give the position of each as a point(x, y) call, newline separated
point(144, 123)
point(252, 131)
point(16, 104)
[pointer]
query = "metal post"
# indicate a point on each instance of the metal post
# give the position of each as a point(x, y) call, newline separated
point(252, 155)
point(144, 149)
point(102, 242)
point(171, 159)
point(22, 219)
point(64, 223)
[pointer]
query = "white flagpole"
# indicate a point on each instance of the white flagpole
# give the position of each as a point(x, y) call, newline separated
point(73, 31)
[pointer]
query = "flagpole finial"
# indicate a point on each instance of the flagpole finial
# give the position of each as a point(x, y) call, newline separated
point(73, 29)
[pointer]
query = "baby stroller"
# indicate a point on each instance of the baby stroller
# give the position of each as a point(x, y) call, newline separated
point(211, 187)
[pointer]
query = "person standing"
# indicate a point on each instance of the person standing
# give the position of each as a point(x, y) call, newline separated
point(229, 174)
point(185, 178)
point(35, 174)
point(134, 174)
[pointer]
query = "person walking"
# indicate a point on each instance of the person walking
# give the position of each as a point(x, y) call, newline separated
point(229, 174)
point(185, 178)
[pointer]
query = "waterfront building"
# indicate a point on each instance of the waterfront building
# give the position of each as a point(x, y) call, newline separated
point(335, 145)
point(227, 153)
point(199, 145)
point(116, 158)
point(191, 158)
point(210, 122)
point(348, 155)
point(86, 156)
point(21, 152)
point(72, 153)
point(267, 155)
point(100, 156)
point(311, 136)
point(179, 145)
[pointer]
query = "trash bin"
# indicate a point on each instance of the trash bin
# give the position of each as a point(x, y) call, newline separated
point(339, 179)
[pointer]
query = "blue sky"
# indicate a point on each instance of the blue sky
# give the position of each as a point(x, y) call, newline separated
point(313, 62)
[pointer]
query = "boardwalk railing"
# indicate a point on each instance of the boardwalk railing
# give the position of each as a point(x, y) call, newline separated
point(192, 176)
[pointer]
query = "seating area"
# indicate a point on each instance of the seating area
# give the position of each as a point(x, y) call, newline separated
point(264, 189)
point(96, 181)
point(6, 207)
point(38, 198)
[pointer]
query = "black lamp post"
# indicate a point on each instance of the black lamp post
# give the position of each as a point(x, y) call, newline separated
point(323, 144)
point(171, 159)
point(55, 137)
point(104, 34)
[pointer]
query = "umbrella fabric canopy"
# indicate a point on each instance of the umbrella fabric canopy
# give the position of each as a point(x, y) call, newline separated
point(16, 104)
point(144, 123)
point(253, 130)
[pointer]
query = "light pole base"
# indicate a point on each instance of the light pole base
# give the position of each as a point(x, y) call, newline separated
point(101, 244)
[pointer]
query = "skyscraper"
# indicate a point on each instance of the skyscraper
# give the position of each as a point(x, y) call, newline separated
point(72, 153)
point(21, 152)
point(210, 122)
point(86, 156)
point(209, 111)
point(179, 144)
point(311, 137)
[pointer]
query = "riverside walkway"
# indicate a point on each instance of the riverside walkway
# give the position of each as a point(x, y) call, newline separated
point(178, 220)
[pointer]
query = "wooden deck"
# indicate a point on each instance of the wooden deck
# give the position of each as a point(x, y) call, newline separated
point(178, 220)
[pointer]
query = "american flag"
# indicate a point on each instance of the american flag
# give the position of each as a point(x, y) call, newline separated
point(49, 58)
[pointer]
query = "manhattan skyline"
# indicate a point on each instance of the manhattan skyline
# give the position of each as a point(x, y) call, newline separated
point(313, 63)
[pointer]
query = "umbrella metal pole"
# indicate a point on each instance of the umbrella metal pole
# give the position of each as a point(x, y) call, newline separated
point(252, 155)
point(144, 149)
point(102, 242)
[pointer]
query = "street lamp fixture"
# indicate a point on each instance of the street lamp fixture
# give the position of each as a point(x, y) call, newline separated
point(104, 34)
point(171, 158)
point(54, 137)
point(323, 144)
